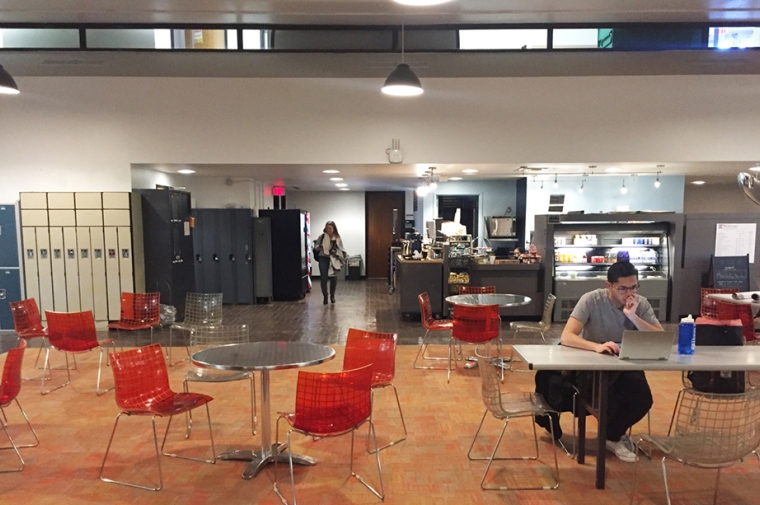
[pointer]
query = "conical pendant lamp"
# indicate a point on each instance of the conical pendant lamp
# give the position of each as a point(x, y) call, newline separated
point(402, 81)
point(7, 85)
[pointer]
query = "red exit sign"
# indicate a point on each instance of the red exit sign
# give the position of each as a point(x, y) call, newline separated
point(278, 191)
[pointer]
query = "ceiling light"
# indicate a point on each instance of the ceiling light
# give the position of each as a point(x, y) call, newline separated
point(580, 190)
point(421, 3)
point(336, 178)
point(7, 85)
point(469, 171)
point(555, 185)
point(402, 81)
point(657, 181)
point(697, 183)
point(756, 168)
point(341, 184)
point(542, 185)
point(612, 169)
point(455, 178)
point(330, 171)
point(344, 189)
point(433, 185)
point(186, 171)
point(624, 190)
point(422, 190)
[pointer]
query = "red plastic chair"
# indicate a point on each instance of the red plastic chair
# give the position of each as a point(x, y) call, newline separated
point(476, 325)
point(72, 333)
point(709, 307)
point(477, 290)
point(9, 390)
point(331, 404)
point(142, 389)
point(728, 311)
point(379, 350)
point(27, 322)
point(139, 311)
point(430, 324)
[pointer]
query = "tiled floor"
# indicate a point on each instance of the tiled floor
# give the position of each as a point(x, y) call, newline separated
point(430, 467)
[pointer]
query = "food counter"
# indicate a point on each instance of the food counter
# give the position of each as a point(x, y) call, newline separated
point(418, 276)
point(514, 278)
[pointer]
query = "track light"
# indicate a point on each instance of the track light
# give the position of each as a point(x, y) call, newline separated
point(7, 85)
point(555, 185)
point(624, 190)
point(402, 81)
point(657, 181)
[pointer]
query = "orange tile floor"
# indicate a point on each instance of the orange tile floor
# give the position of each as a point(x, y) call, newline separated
point(431, 466)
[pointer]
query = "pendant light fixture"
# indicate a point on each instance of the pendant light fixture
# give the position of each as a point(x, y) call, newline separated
point(402, 81)
point(583, 181)
point(657, 181)
point(7, 85)
point(624, 190)
point(556, 184)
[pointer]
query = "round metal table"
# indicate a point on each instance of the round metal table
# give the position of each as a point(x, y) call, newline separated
point(263, 357)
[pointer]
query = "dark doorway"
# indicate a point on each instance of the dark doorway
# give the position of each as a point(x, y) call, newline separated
point(379, 207)
point(448, 205)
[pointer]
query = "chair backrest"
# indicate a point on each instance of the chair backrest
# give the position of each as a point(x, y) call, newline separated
point(202, 337)
point(717, 429)
point(11, 385)
point(546, 318)
point(476, 324)
point(489, 387)
point(140, 377)
point(203, 309)
point(372, 348)
point(477, 290)
point(141, 308)
point(426, 311)
point(708, 306)
point(26, 317)
point(72, 331)
point(332, 403)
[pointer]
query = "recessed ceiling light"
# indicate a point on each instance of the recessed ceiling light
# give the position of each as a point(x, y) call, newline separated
point(421, 3)
point(341, 184)
point(344, 189)
point(336, 178)
point(469, 171)
point(185, 171)
point(698, 183)
point(455, 178)
point(756, 168)
point(612, 169)
point(330, 171)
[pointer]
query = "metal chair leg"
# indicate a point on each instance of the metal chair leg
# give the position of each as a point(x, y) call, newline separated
point(47, 367)
point(422, 353)
point(158, 460)
point(170, 350)
point(211, 435)
point(15, 449)
point(34, 433)
point(380, 494)
point(100, 366)
point(254, 419)
point(401, 415)
point(290, 462)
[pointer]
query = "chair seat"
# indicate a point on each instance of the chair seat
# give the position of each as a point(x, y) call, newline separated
point(686, 447)
point(324, 428)
point(526, 325)
point(523, 404)
point(188, 326)
point(33, 333)
point(440, 324)
point(210, 375)
point(175, 404)
point(380, 379)
point(121, 325)
point(76, 346)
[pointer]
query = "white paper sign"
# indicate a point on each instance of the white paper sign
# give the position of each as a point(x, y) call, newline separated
point(736, 239)
point(187, 228)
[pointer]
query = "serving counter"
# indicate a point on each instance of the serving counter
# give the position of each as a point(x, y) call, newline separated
point(418, 276)
point(515, 278)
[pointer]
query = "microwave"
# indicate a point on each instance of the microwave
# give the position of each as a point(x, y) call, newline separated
point(501, 227)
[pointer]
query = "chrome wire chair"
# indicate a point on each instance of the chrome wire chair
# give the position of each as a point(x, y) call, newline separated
point(431, 325)
point(507, 406)
point(138, 311)
point(540, 327)
point(204, 337)
point(9, 389)
point(711, 431)
point(201, 310)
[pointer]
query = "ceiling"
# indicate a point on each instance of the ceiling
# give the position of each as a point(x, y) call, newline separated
point(386, 12)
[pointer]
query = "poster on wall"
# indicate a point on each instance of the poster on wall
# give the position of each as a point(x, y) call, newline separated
point(735, 239)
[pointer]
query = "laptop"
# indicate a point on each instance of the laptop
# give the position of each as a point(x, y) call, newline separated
point(646, 345)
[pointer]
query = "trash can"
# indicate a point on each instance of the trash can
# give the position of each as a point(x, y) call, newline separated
point(354, 267)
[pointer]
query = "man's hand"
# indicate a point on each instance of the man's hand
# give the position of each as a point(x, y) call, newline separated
point(629, 309)
point(608, 348)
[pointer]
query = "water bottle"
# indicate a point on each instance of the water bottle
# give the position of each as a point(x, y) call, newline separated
point(687, 331)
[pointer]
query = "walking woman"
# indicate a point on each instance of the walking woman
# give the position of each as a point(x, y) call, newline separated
point(328, 249)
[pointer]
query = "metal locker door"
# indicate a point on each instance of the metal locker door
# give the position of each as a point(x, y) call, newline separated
point(72, 269)
point(212, 271)
point(44, 270)
point(84, 259)
point(58, 269)
point(99, 289)
point(243, 250)
point(10, 291)
point(228, 259)
point(125, 259)
point(113, 285)
point(31, 276)
point(198, 250)
point(8, 238)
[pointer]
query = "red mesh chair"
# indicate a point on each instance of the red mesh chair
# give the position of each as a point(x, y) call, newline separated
point(728, 311)
point(142, 389)
point(476, 325)
point(327, 405)
point(139, 311)
point(430, 324)
point(27, 322)
point(72, 333)
point(477, 290)
point(708, 306)
point(9, 390)
point(379, 350)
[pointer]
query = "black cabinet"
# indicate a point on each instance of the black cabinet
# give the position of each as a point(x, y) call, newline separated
point(224, 253)
point(290, 270)
point(168, 245)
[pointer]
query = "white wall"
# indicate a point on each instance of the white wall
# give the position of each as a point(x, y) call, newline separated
point(718, 199)
point(346, 208)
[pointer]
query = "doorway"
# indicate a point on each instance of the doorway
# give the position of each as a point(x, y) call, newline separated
point(448, 205)
point(379, 207)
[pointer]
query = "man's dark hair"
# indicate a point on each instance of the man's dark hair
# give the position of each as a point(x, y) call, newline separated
point(621, 269)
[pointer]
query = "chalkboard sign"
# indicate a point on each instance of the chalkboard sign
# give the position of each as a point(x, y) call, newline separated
point(730, 272)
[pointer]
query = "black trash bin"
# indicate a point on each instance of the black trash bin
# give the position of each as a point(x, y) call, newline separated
point(354, 268)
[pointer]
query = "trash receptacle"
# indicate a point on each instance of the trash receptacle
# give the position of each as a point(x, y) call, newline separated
point(354, 267)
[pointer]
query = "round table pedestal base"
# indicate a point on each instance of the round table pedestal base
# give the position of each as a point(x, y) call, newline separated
point(259, 461)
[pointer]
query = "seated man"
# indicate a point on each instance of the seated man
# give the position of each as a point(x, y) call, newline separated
point(597, 324)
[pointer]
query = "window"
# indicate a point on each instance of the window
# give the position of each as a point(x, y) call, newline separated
point(502, 39)
point(581, 38)
point(39, 38)
point(727, 38)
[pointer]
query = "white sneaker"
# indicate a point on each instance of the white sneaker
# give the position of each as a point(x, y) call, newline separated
point(621, 450)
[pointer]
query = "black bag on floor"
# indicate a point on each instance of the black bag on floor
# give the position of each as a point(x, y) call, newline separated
point(714, 332)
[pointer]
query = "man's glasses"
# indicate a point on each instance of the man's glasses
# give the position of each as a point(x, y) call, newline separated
point(626, 289)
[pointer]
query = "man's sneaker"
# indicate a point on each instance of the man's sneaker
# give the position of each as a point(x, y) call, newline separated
point(621, 450)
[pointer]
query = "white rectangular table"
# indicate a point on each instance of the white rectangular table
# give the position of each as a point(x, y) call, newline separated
point(557, 357)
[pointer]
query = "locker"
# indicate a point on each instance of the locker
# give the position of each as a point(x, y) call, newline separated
point(199, 258)
point(113, 284)
point(116, 200)
point(10, 291)
point(71, 262)
point(212, 272)
point(61, 218)
point(243, 249)
point(99, 287)
point(8, 237)
point(88, 201)
point(44, 270)
point(227, 258)
point(116, 218)
point(33, 200)
point(58, 266)
point(84, 259)
point(125, 259)
point(262, 257)
point(34, 217)
point(60, 200)
point(31, 275)
point(89, 217)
